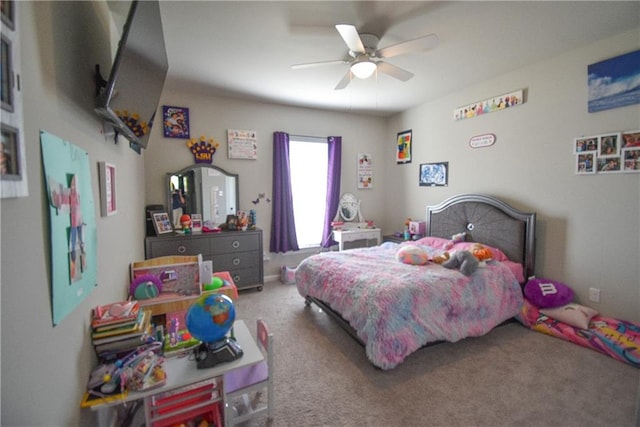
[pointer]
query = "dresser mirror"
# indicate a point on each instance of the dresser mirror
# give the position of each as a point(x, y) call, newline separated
point(348, 209)
point(207, 190)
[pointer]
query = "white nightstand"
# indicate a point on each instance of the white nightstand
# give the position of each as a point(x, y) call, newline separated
point(352, 234)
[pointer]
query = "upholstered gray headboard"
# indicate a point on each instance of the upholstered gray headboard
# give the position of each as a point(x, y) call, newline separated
point(487, 220)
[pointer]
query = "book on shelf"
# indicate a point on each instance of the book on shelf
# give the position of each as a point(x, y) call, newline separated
point(138, 331)
point(113, 350)
point(120, 329)
point(117, 325)
point(115, 313)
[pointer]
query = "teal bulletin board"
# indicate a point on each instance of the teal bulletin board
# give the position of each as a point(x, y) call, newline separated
point(72, 224)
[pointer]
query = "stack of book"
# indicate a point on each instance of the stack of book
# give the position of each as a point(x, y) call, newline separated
point(119, 328)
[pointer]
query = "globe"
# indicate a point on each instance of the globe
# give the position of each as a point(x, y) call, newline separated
point(210, 317)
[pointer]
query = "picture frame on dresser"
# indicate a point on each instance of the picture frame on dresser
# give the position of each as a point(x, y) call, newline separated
point(161, 222)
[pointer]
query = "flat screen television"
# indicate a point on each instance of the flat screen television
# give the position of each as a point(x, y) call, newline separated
point(129, 99)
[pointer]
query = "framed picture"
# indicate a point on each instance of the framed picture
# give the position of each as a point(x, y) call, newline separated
point(631, 160)
point(609, 145)
point(8, 13)
point(585, 144)
point(365, 171)
point(586, 163)
point(13, 161)
point(434, 174)
point(608, 164)
point(489, 105)
point(608, 82)
point(631, 139)
point(196, 222)
point(175, 122)
point(242, 144)
point(403, 149)
point(161, 222)
point(232, 222)
point(107, 177)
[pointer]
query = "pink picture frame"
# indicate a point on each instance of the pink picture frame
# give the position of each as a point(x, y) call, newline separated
point(107, 178)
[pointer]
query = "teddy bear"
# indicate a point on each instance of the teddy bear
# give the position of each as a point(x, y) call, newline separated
point(469, 260)
point(464, 260)
point(439, 259)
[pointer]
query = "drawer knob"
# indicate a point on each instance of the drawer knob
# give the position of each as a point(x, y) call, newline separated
point(236, 261)
point(235, 244)
point(236, 278)
point(182, 249)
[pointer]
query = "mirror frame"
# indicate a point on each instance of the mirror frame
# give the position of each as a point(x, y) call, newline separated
point(194, 168)
point(350, 202)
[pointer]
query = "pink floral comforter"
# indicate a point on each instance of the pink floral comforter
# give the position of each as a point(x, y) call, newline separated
point(397, 308)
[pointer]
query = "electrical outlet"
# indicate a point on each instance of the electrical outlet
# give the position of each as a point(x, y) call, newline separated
point(594, 294)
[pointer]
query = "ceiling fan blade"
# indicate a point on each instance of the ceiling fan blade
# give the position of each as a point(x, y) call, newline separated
point(393, 71)
point(350, 35)
point(318, 64)
point(345, 81)
point(416, 45)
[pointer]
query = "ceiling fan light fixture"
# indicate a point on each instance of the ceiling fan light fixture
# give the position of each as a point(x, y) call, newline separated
point(363, 69)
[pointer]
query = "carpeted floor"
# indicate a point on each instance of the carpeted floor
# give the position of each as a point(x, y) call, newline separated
point(510, 377)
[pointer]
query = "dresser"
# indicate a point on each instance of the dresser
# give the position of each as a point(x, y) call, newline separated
point(238, 252)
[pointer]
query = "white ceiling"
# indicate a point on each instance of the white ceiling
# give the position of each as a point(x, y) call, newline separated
point(246, 48)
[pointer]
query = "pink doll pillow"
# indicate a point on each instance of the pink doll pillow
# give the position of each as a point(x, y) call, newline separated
point(545, 293)
point(412, 254)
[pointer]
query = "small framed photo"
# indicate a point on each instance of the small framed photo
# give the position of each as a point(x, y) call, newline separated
point(631, 160)
point(609, 145)
point(175, 122)
point(232, 222)
point(161, 222)
point(583, 144)
point(107, 177)
point(196, 223)
point(434, 174)
point(608, 164)
point(630, 139)
point(403, 149)
point(586, 163)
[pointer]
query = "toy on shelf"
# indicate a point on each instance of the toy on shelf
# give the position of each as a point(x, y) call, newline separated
point(141, 369)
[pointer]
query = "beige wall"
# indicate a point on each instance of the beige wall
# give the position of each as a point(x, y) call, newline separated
point(212, 116)
point(588, 228)
point(44, 368)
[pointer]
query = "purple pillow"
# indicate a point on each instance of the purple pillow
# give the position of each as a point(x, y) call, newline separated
point(546, 293)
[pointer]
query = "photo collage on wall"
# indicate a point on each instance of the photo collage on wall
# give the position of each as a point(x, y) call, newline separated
point(613, 152)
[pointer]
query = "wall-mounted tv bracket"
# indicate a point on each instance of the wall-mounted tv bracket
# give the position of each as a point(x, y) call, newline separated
point(100, 84)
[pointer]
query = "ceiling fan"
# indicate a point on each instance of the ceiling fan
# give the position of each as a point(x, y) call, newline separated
point(365, 57)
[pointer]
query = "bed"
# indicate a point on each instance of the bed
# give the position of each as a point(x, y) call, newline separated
point(393, 309)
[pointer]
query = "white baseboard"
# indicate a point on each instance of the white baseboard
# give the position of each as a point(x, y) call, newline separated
point(272, 278)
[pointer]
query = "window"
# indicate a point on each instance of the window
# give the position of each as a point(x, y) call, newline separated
point(308, 159)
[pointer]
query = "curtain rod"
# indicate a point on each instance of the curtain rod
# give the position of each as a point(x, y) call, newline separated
point(306, 138)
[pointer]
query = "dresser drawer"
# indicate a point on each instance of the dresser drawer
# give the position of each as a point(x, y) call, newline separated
point(162, 247)
point(235, 261)
point(238, 242)
point(246, 278)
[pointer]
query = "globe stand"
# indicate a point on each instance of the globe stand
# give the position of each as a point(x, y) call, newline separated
point(211, 354)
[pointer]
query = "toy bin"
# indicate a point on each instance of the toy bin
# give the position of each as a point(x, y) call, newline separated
point(200, 401)
point(288, 275)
